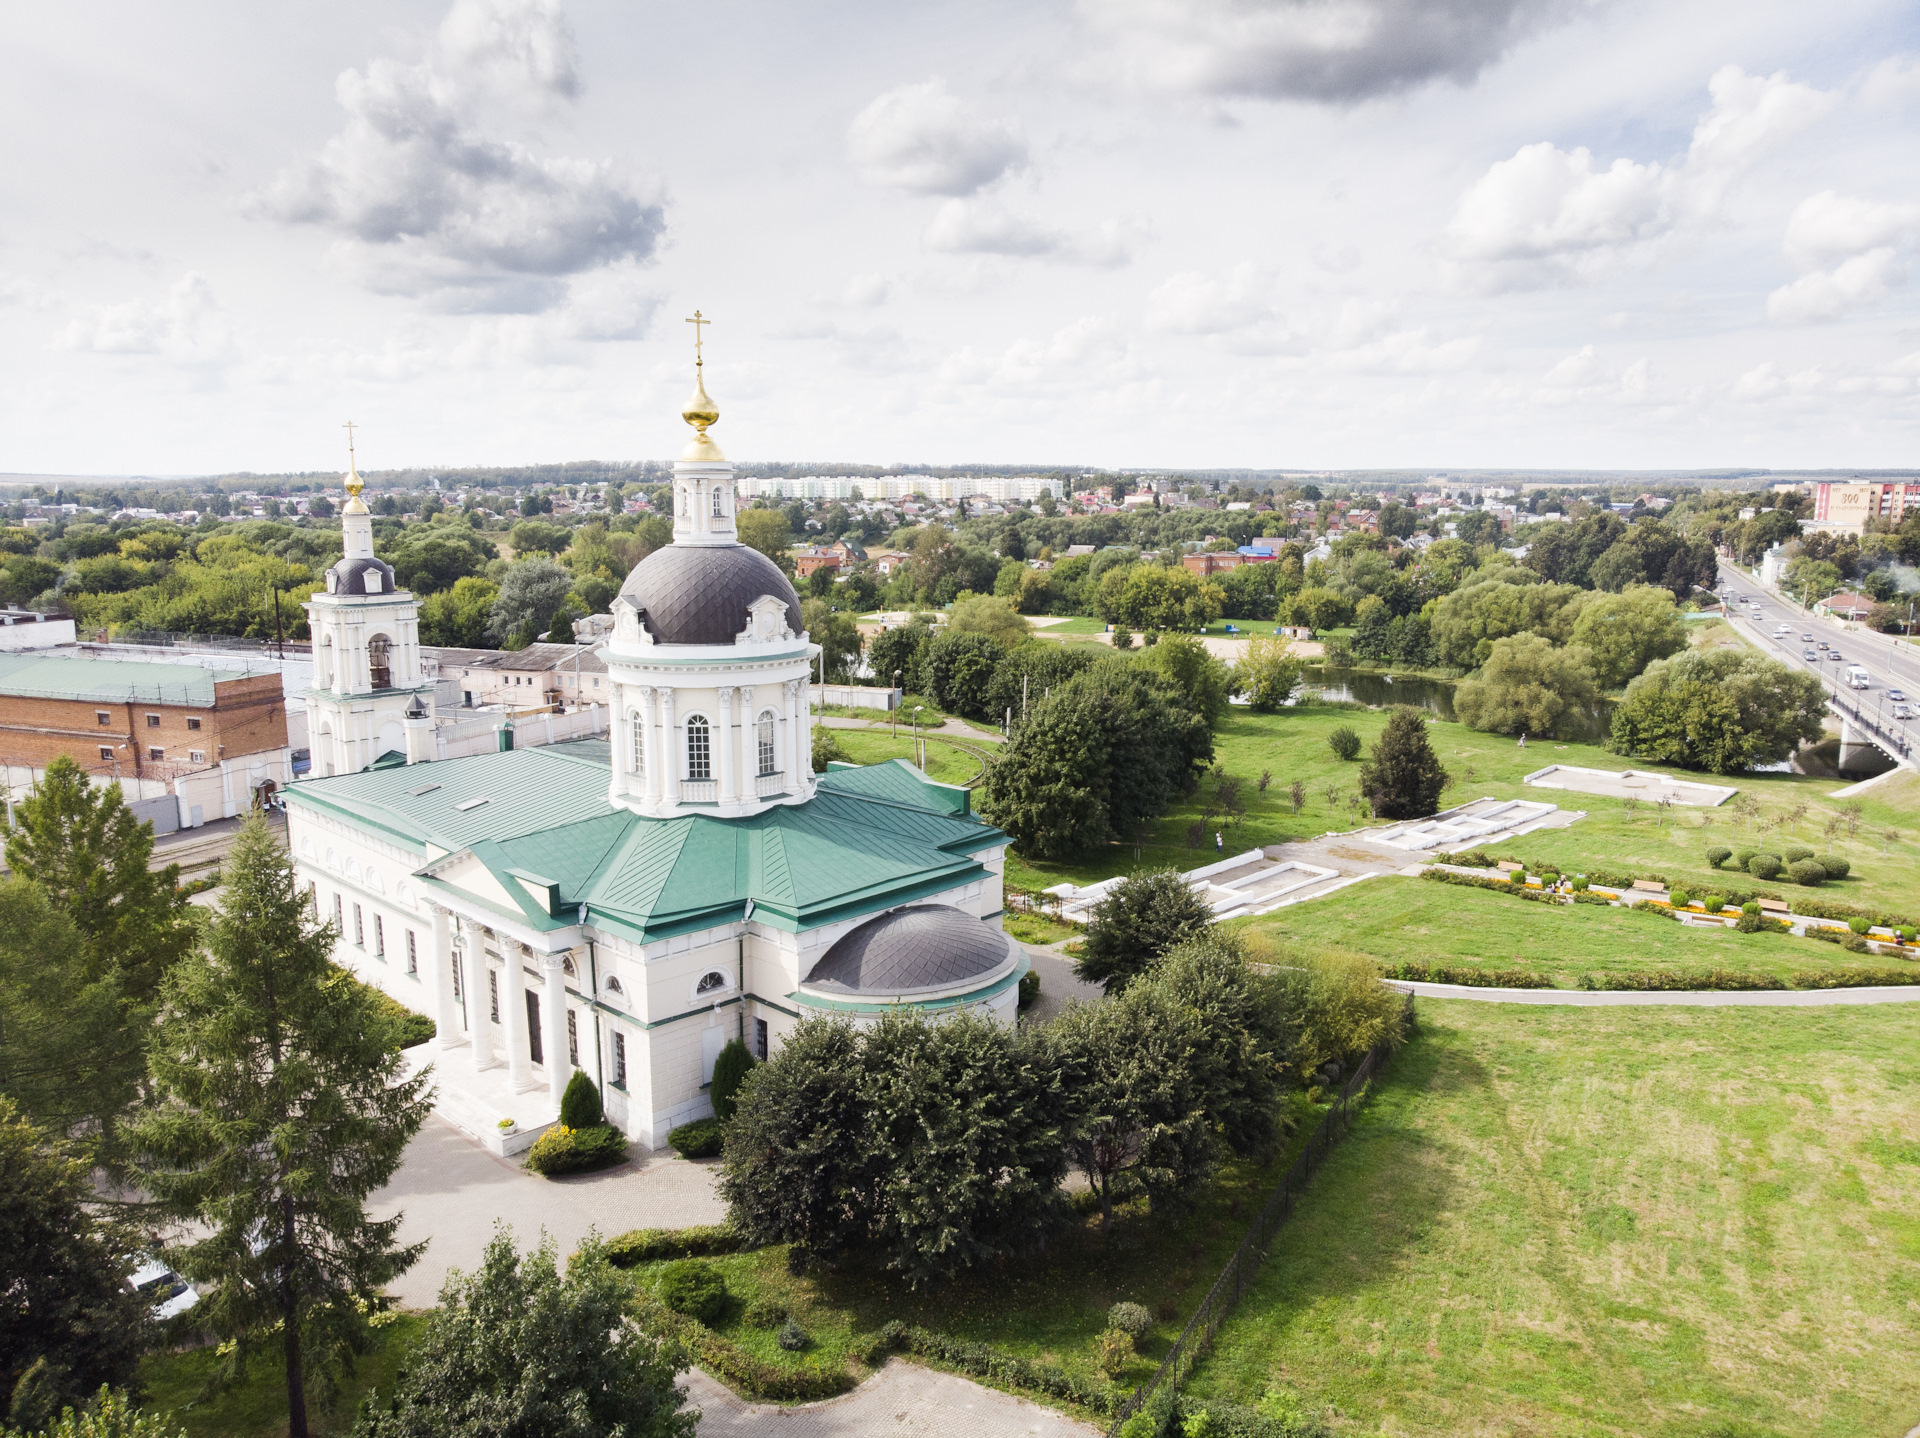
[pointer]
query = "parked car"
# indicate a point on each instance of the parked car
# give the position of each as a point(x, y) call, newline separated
point(166, 1291)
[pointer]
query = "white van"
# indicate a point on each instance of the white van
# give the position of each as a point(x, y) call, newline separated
point(1857, 677)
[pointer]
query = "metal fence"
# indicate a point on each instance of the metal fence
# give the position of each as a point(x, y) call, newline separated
point(1197, 1337)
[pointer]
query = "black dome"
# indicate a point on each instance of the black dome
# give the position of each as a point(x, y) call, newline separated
point(699, 593)
point(926, 946)
point(349, 576)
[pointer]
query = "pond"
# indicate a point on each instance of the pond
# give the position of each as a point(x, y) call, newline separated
point(1378, 688)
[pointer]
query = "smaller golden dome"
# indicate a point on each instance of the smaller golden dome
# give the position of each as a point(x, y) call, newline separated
point(700, 411)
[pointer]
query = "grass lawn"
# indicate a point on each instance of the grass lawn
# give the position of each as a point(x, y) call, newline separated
point(257, 1407)
point(1036, 928)
point(946, 763)
point(1656, 1222)
point(1394, 919)
point(1049, 1309)
point(1293, 744)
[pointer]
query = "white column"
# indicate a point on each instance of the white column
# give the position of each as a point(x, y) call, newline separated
point(727, 742)
point(668, 785)
point(641, 700)
point(446, 1013)
point(801, 753)
point(553, 1016)
point(513, 1010)
point(473, 970)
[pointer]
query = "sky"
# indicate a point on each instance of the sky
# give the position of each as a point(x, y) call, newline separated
point(1302, 234)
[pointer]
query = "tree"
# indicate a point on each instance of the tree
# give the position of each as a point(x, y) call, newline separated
point(580, 1105)
point(108, 1414)
point(897, 651)
point(1251, 1033)
point(1031, 672)
point(1267, 674)
point(836, 634)
point(68, 1321)
point(766, 530)
point(530, 593)
point(1510, 601)
point(428, 559)
point(520, 1350)
point(1525, 686)
point(1140, 918)
point(1721, 710)
point(1623, 633)
point(730, 1070)
point(280, 1104)
point(1402, 777)
point(459, 616)
point(956, 672)
point(993, 617)
point(1202, 679)
point(535, 536)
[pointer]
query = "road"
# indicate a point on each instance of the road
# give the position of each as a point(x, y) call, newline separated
point(1891, 664)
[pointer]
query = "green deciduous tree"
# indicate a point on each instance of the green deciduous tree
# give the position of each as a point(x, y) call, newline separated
point(459, 616)
point(68, 1321)
point(1625, 632)
point(897, 651)
point(989, 615)
point(108, 1414)
point(1141, 917)
point(281, 1103)
point(766, 530)
point(1525, 686)
point(1722, 710)
point(520, 1350)
point(836, 634)
point(1203, 680)
point(1506, 602)
point(730, 1070)
point(531, 591)
point(1402, 777)
point(956, 671)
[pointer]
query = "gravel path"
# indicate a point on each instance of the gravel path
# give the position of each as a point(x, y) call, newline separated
point(901, 1399)
point(1623, 998)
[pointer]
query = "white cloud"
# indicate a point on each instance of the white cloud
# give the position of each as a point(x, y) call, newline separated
point(1191, 303)
point(429, 205)
point(1583, 377)
point(188, 327)
point(922, 139)
point(1853, 252)
point(1548, 214)
point(1828, 294)
point(1325, 50)
point(984, 226)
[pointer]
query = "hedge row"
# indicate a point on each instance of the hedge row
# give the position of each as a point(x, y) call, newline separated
point(647, 1245)
point(1727, 980)
point(740, 1370)
point(1416, 972)
point(1827, 909)
point(1469, 881)
point(1006, 1369)
point(1230, 1420)
point(1855, 978)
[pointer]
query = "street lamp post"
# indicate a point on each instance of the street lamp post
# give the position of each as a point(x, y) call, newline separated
point(893, 710)
point(920, 754)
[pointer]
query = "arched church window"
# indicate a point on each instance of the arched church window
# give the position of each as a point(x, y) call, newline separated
point(699, 748)
point(711, 980)
point(639, 746)
point(763, 737)
point(379, 661)
point(716, 502)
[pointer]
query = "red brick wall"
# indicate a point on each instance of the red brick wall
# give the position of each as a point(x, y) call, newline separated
point(248, 716)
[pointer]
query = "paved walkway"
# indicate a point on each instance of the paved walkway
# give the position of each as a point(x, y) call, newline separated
point(901, 1399)
point(1693, 998)
point(453, 1191)
point(1059, 984)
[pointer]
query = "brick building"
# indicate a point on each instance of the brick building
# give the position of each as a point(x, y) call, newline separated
point(133, 721)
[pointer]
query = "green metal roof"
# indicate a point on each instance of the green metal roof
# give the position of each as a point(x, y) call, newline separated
point(868, 839)
point(100, 681)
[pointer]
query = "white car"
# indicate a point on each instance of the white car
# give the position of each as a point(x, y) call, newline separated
point(1896, 695)
point(167, 1292)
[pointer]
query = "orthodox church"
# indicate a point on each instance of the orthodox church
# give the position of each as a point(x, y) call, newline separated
point(626, 906)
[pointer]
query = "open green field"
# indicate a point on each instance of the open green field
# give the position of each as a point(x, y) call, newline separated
point(257, 1406)
point(946, 763)
point(1394, 919)
point(1293, 744)
point(1661, 1222)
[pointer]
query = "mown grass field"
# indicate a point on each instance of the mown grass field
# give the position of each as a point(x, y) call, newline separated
point(1397, 919)
point(257, 1407)
point(875, 746)
point(1292, 745)
point(1665, 1223)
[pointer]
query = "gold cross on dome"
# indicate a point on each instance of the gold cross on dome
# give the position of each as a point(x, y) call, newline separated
point(697, 320)
point(348, 427)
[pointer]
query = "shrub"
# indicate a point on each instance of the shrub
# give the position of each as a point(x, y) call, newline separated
point(1856, 944)
point(1793, 854)
point(1713, 903)
point(1112, 1351)
point(1750, 921)
point(1131, 1319)
point(699, 1139)
point(694, 1287)
point(1344, 742)
point(1836, 867)
point(1029, 988)
point(1752, 906)
point(792, 1337)
point(1679, 898)
point(580, 1104)
point(577, 1150)
point(1581, 883)
point(1740, 857)
point(646, 1245)
point(1858, 925)
point(765, 1313)
point(1764, 866)
point(1809, 873)
point(1550, 877)
point(1679, 981)
point(730, 1069)
point(1855, 978)
point(1718, 855)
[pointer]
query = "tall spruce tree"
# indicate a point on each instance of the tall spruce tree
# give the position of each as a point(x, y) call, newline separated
point(281, 1103)
point(1402, 776)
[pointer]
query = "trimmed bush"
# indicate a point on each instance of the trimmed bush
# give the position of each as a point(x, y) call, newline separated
point(700, 1139)
point(1680, 898)
point(766, 1313)
point(1580, 884)
point(1859, 926)
point(730, 1070)
point(648, 1245)
point(1112, 1351)
point(1764, 866)
point(1131, 1319)
point(1029, 988)
point(792, 1337)
point(1713, 903)
point(1752, 907)
point(1344, 742)
point(580, 1104)
point(1718, 855)
point(1795, 854)
point(1741, 855)
point(1679, 981)
point(1414, 971)
point(1808, 873)
point(1750, 921)
point(694, 1287)
point(577, 1150)
point(1836, 867)
point(1855, 978)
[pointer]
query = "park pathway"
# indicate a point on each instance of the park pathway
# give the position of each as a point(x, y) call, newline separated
point(1693, 998)
point(901, 1399)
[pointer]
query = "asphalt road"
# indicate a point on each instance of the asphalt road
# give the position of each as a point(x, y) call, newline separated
point(1891, 664)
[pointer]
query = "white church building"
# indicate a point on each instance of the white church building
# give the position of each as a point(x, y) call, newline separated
point(626, 906)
